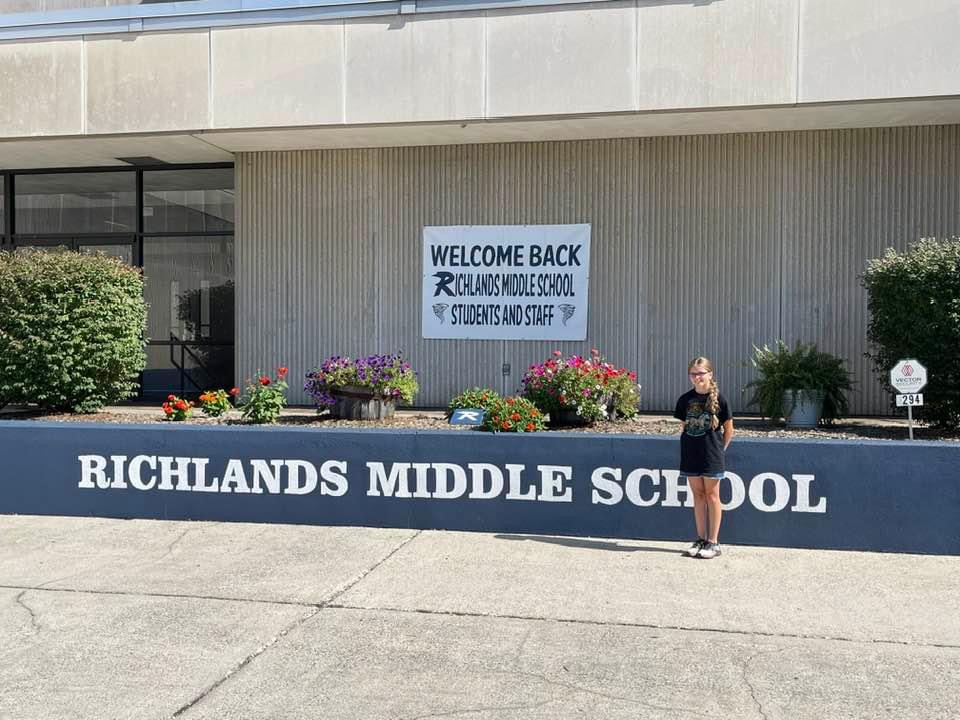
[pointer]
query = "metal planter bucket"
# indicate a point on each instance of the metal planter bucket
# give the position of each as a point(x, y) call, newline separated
point(803, 407)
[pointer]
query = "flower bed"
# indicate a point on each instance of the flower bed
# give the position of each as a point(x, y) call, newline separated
point(581, 390)
point(364, 388)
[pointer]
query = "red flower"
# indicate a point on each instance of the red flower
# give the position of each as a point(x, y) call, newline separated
point(506, 425)
point(171, 398)
point(557, 353)
point(531, 427)
point(235, 391)
point(510, 401)
point(181, 405)
point(281, 372)
point(515, 416)
point(264, 380)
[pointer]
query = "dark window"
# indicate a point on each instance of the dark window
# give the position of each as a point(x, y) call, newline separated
point(189, 288)
point(185, 247)
point(75, 203)
point(188, 201)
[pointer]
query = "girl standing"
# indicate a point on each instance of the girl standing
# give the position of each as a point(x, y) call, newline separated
point(707, 429)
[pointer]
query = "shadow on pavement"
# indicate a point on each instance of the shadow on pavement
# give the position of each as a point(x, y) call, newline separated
point(588, 544)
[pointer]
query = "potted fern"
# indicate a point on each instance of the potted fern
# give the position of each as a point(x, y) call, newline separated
point(803, 385)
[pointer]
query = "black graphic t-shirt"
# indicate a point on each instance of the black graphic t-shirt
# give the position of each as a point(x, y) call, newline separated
point(701, 449)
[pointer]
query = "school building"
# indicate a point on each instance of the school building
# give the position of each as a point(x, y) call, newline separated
point(272, 166)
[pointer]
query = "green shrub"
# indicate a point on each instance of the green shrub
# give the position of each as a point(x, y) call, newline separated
point(914, 302)
point(801, 368)
point(71, 330)
point(475, 397)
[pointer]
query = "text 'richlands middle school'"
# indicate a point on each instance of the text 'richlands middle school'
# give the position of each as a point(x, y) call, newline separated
point(642, 487)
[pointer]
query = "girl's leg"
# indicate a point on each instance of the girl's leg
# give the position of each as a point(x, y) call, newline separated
point(714, 509)
point(699, 505)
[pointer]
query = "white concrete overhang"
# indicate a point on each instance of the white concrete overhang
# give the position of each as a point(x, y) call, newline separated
point(207, 146)
point(234, 13)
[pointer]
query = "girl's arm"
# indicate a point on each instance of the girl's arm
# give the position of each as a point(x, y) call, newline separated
point(727, 433)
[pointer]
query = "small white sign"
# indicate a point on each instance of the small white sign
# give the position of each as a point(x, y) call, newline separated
point(909, 400)
point(908, 376)
point(506, 282)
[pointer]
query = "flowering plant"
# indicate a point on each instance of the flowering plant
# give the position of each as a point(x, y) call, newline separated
point(475, 397)
point(265, 398)
point(590, 386)
point(512, 414)
point(176, 409)
point(215, 403)
point(388, 376)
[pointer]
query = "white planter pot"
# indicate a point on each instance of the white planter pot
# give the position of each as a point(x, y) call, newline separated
point(803, 408)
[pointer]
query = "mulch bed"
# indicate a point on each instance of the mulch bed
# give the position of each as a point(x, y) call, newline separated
point(852, 429)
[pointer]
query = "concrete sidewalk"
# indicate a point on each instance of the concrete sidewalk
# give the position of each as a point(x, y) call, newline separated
point(142, 619)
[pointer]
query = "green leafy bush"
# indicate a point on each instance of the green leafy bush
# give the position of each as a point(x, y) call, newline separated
point(914, 302)
point(801, 368)
point(71, 330)
point(475, 397)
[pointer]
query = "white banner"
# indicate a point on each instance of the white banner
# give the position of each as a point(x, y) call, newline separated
point(506, 282)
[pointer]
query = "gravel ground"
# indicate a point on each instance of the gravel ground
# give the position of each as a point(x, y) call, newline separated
point(647, 424)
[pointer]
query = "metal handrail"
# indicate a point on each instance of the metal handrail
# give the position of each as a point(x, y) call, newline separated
point(184, 351)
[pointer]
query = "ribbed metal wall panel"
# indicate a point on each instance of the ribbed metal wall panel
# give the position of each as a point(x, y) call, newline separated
point(849, 195)
point(700, 245)
point(308, 267)
point(710, 260)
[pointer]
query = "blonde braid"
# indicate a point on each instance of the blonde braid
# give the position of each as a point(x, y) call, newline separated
point(713, 404)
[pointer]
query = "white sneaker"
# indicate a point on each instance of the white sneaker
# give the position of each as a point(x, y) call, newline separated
point(709, 550)
point(694, 550)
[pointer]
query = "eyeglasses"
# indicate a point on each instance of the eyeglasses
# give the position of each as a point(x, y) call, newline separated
point(698, 374)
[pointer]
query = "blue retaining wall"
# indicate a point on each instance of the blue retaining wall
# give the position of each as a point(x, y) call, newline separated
point(899, 497)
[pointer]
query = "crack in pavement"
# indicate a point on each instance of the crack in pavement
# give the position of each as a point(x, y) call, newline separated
point(578, 689)
point(465, 711)
point(33, 617)
point(190, 528)
point(316, 608)
point(174, 596)
point(753, 690)
point(330, 605)
point(173, 545)
point(649, 626)
point(350, 585)
point(247, 660)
